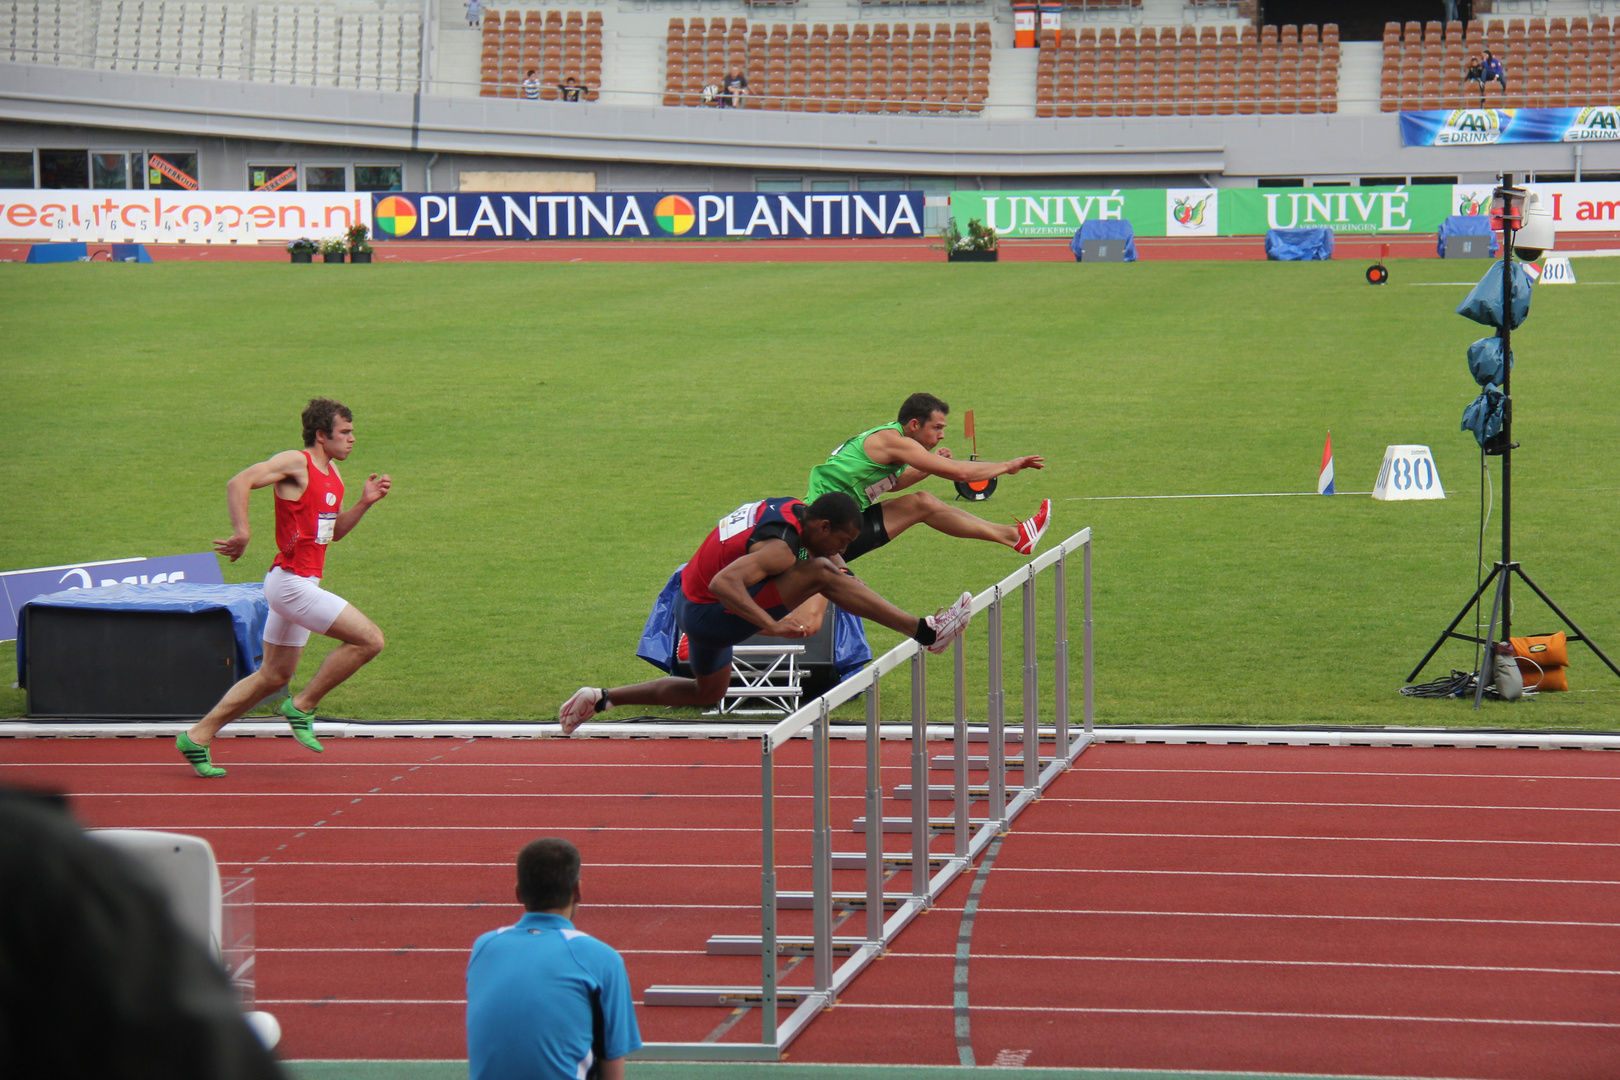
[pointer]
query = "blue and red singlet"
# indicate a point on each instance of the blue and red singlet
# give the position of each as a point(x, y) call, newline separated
point(752, 523)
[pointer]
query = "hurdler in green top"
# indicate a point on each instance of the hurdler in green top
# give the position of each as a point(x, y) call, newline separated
point(849, 470)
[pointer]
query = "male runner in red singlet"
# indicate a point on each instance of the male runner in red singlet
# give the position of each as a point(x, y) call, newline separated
point(309, 516)
point(748, 576)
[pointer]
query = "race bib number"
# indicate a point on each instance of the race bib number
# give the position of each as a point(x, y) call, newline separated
point(739, 520)
point(324, 527)
point(885, 484)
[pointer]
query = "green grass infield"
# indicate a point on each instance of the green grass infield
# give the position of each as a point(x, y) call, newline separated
point(561, 437)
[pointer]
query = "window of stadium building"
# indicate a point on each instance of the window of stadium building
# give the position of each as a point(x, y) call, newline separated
point(379, 178)
point(64, 168)
point(16, 168)
point(172, 170)
point(779, 184)
point(326, 178)
point(282, 177)
point(829, 185)
point(109, 172)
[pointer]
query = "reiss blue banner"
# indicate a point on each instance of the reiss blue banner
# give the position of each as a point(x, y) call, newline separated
point(692, 215)
point(1476, 127)
point(20, 586)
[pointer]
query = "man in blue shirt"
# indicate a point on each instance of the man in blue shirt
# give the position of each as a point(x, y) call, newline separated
point(546, 1001)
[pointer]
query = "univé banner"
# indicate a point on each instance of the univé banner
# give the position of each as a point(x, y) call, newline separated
point(173, 217)
point(1475, 127)
point(652, 215)
point(1192, 212)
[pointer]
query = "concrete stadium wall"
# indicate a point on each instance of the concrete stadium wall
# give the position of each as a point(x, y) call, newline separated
point(647, 148)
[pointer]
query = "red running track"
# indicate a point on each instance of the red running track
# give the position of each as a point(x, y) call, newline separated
point(1218, 249)
point(1408, 912)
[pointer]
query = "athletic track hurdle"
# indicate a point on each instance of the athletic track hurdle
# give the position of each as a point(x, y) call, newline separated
point(971, 835)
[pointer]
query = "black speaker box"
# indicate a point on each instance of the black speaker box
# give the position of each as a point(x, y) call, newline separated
point(127, 665)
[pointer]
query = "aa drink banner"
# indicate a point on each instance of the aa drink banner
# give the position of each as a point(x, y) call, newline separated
point(168, 217)
point(1474, 127)
point(689, 215)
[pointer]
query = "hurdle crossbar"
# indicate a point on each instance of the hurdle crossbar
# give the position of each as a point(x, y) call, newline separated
point(931, 872)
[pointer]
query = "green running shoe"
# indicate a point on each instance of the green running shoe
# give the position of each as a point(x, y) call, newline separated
point(302, 724)
point(197, 756)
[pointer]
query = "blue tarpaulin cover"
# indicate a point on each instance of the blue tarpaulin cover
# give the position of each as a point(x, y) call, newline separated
point(245, 603)
point(1484, 416)
point(1299, 245)
point(131, 253)
point(1465, 225)
point(53, 253)
point(659, 636)
point(1485, 361)
point(1483, 304)
point(1105, 230)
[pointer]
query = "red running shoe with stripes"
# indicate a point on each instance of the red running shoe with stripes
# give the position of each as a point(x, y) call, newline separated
point(1031, 531)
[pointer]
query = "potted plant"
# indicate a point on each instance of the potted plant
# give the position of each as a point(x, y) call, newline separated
point(978, 244)
point(302, 250)
point(333, 249)
point(359, 245)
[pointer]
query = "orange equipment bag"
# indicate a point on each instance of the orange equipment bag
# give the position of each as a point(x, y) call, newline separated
point(1555, 678)
point(1542, 659)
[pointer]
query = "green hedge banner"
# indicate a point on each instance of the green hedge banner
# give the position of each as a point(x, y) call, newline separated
point(1182, 212)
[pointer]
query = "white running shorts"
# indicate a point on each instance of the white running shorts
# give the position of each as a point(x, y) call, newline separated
point(298, 607)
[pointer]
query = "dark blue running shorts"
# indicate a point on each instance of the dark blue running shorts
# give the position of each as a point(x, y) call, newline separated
point(711, 631)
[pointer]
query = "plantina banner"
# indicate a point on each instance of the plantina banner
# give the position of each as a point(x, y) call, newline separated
point(1473, 127)
point(691, 215)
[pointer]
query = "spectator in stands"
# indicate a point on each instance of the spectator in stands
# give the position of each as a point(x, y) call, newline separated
point(531, 86)
point(570, 89)
point(475, 13)
point(545, 999)
point(733, 88)
point(1493, 73)
point(1475, 74)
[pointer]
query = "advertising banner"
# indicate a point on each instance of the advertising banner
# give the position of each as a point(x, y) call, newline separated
point(689, 215)
point(1585, 207)
point(21, 586)
point(1475, 127)
point(170, 217)
point(1059, 213)
point(1254, 211)
point(1207, 211)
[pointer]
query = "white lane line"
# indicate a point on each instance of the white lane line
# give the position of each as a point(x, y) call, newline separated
point(496, 905)
point(1443, 919)
point(1216, 961)
point(1110, 769)
point(633, 796)
point(1294, 874)
point(1322, 803)
point(588, 828)
point(1229, 495)
point(1249, 1014)
point(1244, 1014)
point(1092, 835)
point(507, 865)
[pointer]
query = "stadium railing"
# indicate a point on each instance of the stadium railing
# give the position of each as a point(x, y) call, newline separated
point(931, 873)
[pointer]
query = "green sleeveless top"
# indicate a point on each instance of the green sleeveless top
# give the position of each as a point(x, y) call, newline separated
point(849, 470)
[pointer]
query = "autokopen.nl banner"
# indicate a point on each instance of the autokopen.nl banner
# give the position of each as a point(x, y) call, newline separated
point(653, 215)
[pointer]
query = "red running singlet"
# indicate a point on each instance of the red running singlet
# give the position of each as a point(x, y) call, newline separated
point(304, 525)
point(730, 541)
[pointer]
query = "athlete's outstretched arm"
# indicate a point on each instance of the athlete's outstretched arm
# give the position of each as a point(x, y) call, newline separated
point(889, 446)
point(730, 586)
point(374, 491)
point(289, 464)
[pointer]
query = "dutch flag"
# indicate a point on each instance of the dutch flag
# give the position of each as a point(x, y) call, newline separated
point(1324, 482)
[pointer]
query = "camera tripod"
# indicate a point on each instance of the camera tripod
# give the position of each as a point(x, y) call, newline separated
point(1502, 443)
